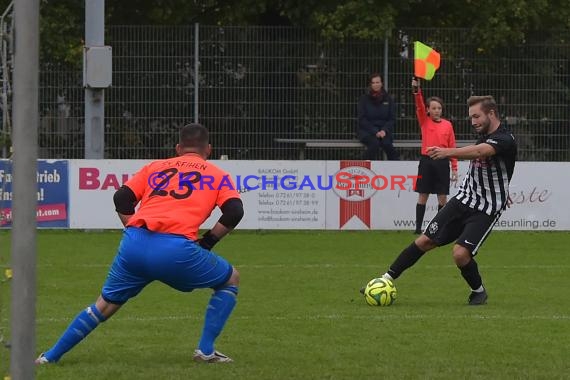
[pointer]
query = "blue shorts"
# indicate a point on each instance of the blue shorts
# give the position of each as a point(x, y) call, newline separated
point(145, 256)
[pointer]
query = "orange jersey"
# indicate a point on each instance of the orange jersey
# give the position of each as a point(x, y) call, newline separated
point(178, 194)
point(434, 133)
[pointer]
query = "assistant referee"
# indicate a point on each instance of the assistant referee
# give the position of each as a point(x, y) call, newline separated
point(434, 176)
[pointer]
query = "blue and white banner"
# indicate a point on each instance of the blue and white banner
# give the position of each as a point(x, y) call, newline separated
point(52, 196)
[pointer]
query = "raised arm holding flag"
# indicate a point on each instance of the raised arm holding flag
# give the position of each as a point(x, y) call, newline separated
point(434, 175)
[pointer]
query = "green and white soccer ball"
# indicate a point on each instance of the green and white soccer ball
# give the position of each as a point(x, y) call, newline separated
point(380, 292)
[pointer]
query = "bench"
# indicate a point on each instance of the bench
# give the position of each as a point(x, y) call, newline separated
point(303, 144)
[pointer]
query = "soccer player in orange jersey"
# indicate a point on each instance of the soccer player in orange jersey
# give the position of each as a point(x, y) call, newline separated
point(160, 242)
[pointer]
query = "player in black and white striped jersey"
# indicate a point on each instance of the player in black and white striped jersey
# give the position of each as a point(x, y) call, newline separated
point(485, 187)
point(470, 215)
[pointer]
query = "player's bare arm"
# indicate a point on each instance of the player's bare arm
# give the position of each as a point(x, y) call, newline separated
point(124, 218)
point(467, 152)
point(232, 213)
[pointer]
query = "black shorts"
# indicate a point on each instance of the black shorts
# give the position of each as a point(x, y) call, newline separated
point(434, 176)
point(456, 221)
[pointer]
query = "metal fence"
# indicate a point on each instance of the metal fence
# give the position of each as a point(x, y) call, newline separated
point(256, 84)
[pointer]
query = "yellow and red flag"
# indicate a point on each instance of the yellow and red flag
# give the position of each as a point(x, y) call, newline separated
point(426, 61)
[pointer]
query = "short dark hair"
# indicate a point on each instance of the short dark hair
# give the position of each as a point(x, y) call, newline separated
point(434, 99)
point(375, 75)
point(487, 102)
point(194, 135)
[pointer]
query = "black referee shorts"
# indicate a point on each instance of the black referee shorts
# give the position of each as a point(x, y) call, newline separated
point(434, 176)
point(456, 221)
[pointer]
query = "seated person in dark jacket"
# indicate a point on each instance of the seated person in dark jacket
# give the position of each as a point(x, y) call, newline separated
point(376, 120)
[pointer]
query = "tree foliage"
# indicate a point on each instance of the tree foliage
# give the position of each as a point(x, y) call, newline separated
point(494, 23)
point(492, 26)
point(61, 31)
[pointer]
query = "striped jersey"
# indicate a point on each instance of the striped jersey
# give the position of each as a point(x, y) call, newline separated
point(486, 185)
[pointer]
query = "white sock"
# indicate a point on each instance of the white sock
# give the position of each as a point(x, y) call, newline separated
point(387, 276)
point(479, 289)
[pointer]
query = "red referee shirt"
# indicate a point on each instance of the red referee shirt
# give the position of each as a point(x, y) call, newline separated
point(434, 133)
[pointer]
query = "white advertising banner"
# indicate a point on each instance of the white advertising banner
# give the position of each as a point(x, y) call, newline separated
point(383, 199)
point(323, 195)
point(275, 196)
point(539, 194)
point(537, 191)
point(92, 185)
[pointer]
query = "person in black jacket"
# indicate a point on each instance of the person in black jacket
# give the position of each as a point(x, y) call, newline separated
point(376, 121)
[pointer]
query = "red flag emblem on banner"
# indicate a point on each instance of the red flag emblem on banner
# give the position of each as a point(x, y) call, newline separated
point(358, 208)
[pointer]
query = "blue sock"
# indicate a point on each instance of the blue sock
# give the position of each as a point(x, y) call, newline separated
point(219, 309)
point(77, 330)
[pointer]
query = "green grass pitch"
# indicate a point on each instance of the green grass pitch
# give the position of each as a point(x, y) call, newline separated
point(300, 316)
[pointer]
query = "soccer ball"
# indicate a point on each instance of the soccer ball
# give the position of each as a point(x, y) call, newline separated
point(380, 292)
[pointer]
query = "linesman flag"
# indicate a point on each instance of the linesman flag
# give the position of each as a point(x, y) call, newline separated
point(426, 61)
